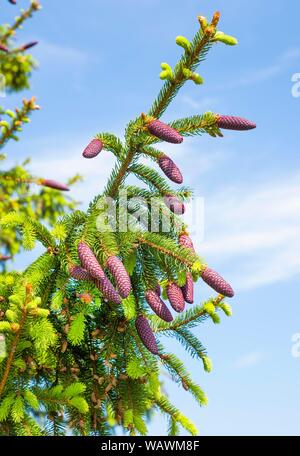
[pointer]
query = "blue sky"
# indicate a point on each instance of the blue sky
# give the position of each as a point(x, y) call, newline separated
point(99, 66)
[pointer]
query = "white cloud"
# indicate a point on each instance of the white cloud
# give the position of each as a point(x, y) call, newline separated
point(66, 55)
point(255, 76)
point(203, 104)
point(62, 164)
point(249, 360)
point(256, 236)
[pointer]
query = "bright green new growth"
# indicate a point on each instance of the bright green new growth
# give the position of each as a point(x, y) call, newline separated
point(75, 361)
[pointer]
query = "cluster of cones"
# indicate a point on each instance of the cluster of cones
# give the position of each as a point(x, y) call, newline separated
point(177, 296)
point(91, 270)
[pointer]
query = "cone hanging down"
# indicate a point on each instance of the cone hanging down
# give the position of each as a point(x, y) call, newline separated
point(215, 281)
point(158, 306)
point(175, 297)
point(146, 334)
point(170, 169)
point(120, 275)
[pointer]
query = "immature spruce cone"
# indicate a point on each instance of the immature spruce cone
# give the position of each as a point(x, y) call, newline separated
point(170, 169)
point(79, 273)
point(3, 48)
point(14, 2)
point(146, 334)
point(53, 184)
point(27, 46)
point(108, 291)
point(158, 306)
point(93, 149)
point(215, 281)
point(175, 297)
point(173, 203)
point(164, 132)
point(186, 241)
point(120, 275)
point(90, 262)
point(234, 123)
point(188, 289)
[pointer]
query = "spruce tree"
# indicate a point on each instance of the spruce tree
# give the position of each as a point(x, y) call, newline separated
point(84, 324)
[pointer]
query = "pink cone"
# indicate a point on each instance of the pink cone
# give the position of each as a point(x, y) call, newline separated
point(186, 241)
point(146, 334)
point(175, 297)
point(164, 132)
point(93, 149)
point(215, 281)
point(108, 291)
point(79, 273)
point(173, 203)
point(158, 306)
point(234, 123)
point(90, 262)
point(55, 185)
point(120, 275)
point(27, 46)
point(188, 289)
point(170, 169)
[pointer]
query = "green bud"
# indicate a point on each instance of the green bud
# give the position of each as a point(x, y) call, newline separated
point(207, 364)
point(197, 79)
point(167, 72)
point(5, 326)
point(184, 43)
point(10, 113)
point(226, 39)
point(4, 124)
point(209, 308)
point(10, 315)
point(226, 309)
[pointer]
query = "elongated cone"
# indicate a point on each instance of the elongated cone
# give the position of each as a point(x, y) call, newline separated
point(173, 203)
point(186, 241)
point(234, 123)
point(175, 297)
point(55, 185)
point(158, 306)
point(215, 281)
point(120, 275)
point(93, 149)
point(90, 262)
point(27, 46)
point(5, 257)
point(108, 291)
point(188, 289)
point(170, 169)
point(146, 334)
point(14, 2)
point(79, 273)
point(3, 48)
point(164, 132)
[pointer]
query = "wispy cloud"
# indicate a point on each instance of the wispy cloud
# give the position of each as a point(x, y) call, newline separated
point(249, 360)
point(61, 54)
point(256, 235)
point(201, 105)
point(63, 164)
point(266, 73)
